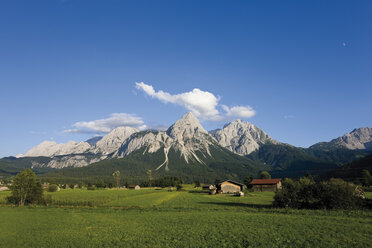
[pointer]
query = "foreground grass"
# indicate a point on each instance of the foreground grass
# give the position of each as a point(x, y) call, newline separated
point(158, 218)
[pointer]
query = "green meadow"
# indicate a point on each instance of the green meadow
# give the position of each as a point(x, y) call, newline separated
point(188, 218)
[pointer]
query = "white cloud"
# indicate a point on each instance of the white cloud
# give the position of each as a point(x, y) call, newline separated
point(203, 104)
point(239, 111)
point(106, 125)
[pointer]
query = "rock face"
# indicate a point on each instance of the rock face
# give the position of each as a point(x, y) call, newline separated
point(359, 138)
point(51, 149)
point(94, 140)
point(113, 140)
point(241, 137)
point(186, 136)
point(60, 162)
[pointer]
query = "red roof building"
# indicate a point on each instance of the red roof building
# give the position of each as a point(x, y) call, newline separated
point(267, 184)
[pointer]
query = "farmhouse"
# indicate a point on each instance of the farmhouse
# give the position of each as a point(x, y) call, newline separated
point(272, 185)
point(229, 187)
point(136, 187)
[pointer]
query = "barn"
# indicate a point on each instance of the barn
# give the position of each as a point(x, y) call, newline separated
point(270, 185)
point(135, 187)
point(229, 187)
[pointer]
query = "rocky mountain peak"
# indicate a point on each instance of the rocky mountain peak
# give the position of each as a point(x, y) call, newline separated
point(51, 148)
point(187, 126)
point(113, 140)
point(359, 138)
point(241, 137)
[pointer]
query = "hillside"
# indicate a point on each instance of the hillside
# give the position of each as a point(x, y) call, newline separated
point(351, 171)
point(10, 166)
point(133, 167)
point(289, 161)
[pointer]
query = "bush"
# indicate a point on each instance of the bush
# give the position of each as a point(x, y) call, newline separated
point(91, 187)
point(71, 185)
point(305, 193)
point(80, 185)
point(47, 200)
point(247, 181)
point(197, 184)
point(179, 187)
point(52, 188)
point(100, 184)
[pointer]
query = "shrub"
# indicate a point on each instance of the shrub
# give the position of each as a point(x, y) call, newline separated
point(179, 187)
point(52, 188)
point(71, 185)
point(80, 185)
point(197, 184)
point(247, 181)
point(366, 178)
point(47, 200)
point(91, 187)
point(305, 193)
point(100, 184)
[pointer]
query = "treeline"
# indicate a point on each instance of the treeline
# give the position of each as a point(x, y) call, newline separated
point(163, 182)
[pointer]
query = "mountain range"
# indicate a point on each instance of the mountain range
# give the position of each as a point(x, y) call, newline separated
point(187, 150)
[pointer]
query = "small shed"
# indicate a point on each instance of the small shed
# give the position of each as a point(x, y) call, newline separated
point(229, 187)
point(208, 187)
point(268, 185)
point(135, 187)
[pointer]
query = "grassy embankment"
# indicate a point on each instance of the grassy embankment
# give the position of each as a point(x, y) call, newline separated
point(190, 218)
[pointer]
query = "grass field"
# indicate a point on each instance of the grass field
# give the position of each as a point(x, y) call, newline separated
point(190, 218)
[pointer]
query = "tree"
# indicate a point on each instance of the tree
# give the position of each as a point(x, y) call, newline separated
point(197, 184)
point(366, 178)
point(217, 181)
point(52, 188)
point(100, 184)
point(265, 175)
point(80, 185)
point(247, 181)
point(116, 176)
point(26, 189)
point(179, 187)
point(149, 174)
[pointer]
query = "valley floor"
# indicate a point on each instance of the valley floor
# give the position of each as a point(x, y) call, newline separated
point(190, 218)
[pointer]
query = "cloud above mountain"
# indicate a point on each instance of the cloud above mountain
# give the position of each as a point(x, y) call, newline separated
point(239, 111)
point(106, 125)
point(205, 105)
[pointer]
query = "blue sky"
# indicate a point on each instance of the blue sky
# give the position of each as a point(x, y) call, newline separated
point(300, 70)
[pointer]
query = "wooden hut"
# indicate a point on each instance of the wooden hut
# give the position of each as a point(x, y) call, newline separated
point(208, 187)
point(269, 185)
point(230, 187)
point(136, 187)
